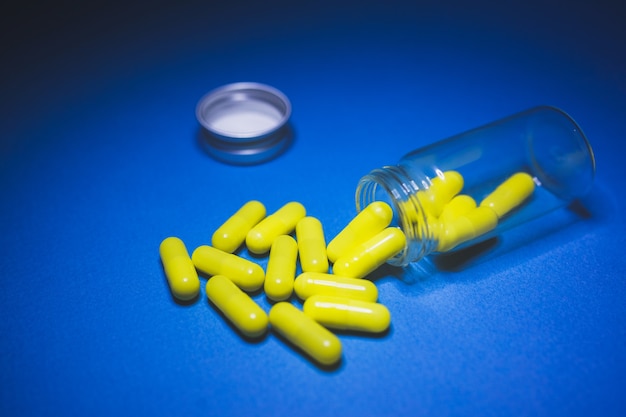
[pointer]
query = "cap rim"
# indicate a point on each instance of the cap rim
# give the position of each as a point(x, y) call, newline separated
point(230, 95)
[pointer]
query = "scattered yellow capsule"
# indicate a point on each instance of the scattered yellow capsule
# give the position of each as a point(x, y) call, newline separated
point(510, 194)
point(230, 235)
point(475, 223)
point(305, 333)
point(442, 189)
point(346, 314)
point(366, 257)
point(308, 284)
point(457, 207)
point(179, 270)
point(281, 268)
point(311, 245)
point(244, 273)
point(371, 220)
point(237, 306)
point(282, 222)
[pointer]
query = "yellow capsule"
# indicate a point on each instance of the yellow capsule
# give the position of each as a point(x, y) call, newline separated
point(282, 222)
point(246, 274)
point(510, 194)
point(432, 230)
point(366, 257)
point(237, 306)
point(346, 314)
point(371, 220)
point(458, 206)
point(305, 333)
point(230, 235)
point(442, 189)
point(179, 270)
point(416, 219)
point(281, 268)
point(469, 226)
point(311, 245)
point(308, 284)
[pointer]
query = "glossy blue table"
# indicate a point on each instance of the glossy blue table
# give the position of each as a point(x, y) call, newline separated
point(100, 161)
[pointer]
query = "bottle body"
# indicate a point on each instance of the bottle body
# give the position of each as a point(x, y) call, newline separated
point(542, 144)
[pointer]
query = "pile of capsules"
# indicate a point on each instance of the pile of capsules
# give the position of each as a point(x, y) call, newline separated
point(341, 300)
point(454, 218)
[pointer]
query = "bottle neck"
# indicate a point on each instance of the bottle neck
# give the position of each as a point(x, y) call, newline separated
point(394, 186)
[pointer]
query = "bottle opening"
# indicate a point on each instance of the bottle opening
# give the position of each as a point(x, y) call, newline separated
point(392, 186)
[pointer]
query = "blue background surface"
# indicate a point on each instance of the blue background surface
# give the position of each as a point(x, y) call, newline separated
point(99, 162)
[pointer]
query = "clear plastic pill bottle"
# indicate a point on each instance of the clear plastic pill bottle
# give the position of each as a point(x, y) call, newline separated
point(542, 144)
